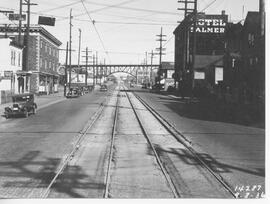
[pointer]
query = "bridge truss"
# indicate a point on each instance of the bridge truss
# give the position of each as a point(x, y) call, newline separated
point(107, 70)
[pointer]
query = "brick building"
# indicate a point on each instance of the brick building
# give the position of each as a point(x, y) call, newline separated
point(208, 66)
point(253, 56)
point(40, 71)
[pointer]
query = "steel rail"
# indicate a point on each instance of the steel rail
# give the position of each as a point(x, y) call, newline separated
point(181, 138)
point(146, 134)
point(81, 135)
point(107, 178)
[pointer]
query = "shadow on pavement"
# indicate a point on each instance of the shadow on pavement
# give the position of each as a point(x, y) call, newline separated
point(28, 172)
point(212, 110)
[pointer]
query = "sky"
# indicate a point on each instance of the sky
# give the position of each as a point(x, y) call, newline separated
point(124, 30)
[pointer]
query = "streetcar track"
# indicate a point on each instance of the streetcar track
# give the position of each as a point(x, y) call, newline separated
point(184, 141)
point(146, 134)
point(107, 178)
point(79, 137)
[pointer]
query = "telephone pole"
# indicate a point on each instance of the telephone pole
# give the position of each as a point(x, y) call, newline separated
point(26, 42)
point(190, 15)
point(97, 71)
point(86, 64)
point(70, 41)
point(20, 24)
point(151, 68)
point(160, 49)
point(65, 85)
point(94, 70)
point(79, 53)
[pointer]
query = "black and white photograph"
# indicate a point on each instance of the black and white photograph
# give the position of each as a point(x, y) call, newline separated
point(104, 100)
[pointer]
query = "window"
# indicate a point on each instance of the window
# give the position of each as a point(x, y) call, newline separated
point(40, 63)
point(251, 38)
point(233, 63)
point(19, 59)
point(45, 47)
point(41, 44)
point(45, 64)
point(250, 61)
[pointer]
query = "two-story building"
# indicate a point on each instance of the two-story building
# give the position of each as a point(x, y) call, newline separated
point(10, 65)
point(40, 70)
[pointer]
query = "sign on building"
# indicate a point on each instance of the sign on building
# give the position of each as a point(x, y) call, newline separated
point(218, 74)
point(211, 23)
point(16, 17)
point(199, 75)
point(43, 20)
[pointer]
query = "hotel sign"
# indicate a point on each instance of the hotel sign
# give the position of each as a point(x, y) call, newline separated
point(210, 23)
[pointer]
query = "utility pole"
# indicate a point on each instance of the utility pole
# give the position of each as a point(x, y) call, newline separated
point(190, 14)
point(20, 24)
point(151, 68)
point(194, 45)
point(160, 49)
point(70, 38)
point(86, 64)
point(65, 86)
point(79, 53)
point(26, 42)
point(94, 70)
point(97, 71)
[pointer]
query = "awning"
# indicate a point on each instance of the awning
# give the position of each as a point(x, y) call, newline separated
point(23, 73)
point(205, 61)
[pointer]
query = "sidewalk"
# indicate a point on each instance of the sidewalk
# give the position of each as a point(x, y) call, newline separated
point(42, 101)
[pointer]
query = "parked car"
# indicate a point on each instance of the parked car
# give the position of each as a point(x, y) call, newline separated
point(23, 105)
point(144, 86)
point(73, 93)
point(103, 88)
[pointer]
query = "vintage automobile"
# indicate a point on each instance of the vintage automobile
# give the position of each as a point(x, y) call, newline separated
point(73, 93)
point(23, 105)
point(103, 87)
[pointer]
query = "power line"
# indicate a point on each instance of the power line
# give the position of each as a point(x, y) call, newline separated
point(134, 23)
point(134, 9)
point(93, 22)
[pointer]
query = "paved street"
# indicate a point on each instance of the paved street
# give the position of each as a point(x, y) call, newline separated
point(34, 149)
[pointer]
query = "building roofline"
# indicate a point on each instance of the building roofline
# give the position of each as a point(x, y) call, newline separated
point(33, 29)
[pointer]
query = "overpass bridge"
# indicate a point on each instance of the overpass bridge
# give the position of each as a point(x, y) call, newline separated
point(107, 70)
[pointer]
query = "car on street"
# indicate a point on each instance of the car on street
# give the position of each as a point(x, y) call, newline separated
point(22, 105)
point(144, 86)
point(73, 93)
point(103, 87)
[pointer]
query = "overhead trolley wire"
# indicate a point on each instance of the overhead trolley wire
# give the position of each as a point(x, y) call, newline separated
point(93, 23)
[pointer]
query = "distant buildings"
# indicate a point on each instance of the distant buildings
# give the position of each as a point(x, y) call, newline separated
point(39, 73)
